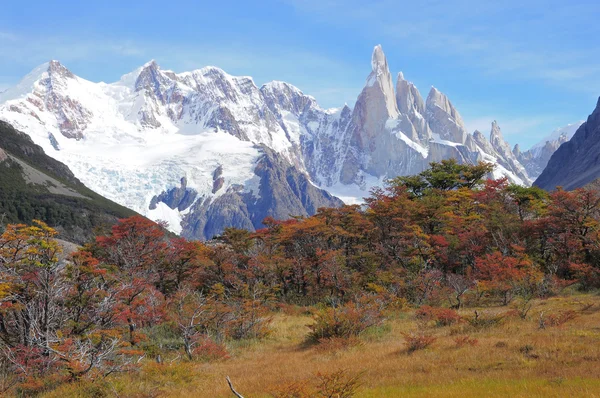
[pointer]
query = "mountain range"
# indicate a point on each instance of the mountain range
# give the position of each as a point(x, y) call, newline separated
point(204, 150)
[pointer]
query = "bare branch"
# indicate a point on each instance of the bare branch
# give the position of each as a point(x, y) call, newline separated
point(237, 394)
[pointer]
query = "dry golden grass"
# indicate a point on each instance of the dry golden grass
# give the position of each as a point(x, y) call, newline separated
point(514, 358)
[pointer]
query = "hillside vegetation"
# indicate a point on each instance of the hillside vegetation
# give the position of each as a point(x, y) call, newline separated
point(53, 195)
point(443, 284)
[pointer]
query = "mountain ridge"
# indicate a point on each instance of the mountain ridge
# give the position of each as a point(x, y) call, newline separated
point(576, 162)
point(136, 139)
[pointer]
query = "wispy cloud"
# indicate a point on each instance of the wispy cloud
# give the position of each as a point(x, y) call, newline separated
point(508, 37)
point(34, 50)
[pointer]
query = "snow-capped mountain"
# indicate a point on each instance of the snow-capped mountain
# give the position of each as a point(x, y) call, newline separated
point(537, 157)
point(137, 138)
point(204, 150)
point(390, 135)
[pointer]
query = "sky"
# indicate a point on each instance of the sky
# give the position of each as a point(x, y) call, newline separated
point(531, 65)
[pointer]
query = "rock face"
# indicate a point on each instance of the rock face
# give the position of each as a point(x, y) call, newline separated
point(179, 198)
point(196, 148)
point(577, 161)
point(387, 138)
point(444, 119)
point(283, 192)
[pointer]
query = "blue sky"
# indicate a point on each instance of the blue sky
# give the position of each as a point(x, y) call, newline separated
point(533, 67)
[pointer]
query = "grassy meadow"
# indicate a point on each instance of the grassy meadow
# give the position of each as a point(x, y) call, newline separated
point(552, 351)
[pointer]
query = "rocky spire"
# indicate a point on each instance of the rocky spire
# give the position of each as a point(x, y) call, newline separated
point(380, 80)
point(483, 143)
point(408, 98)
point(443, 118)
point(497, 140)
point(516, 151)
point(411, 104)
point(368, 131)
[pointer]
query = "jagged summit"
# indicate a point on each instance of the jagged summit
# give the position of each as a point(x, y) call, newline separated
point(516, 150)
point(56, 68)
point(49, 70)
point(446, 122)
point(151, 64)
point(378, 60)
point(496, 134)
point(408, 97)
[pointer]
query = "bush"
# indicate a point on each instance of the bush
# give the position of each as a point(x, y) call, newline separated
point(249, 320)
point(528, 351)
point(556, 319)
point(417, 341)
point(292, 390)
point(338, 384)
point(481, 321)
point(462, 341)
point(338, 343)
point(346, 321)
point(589, 276)
point(208, 351)
point(441, 316)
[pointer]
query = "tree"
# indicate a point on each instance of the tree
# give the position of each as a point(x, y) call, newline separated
point(445, 175)
point(496, 272)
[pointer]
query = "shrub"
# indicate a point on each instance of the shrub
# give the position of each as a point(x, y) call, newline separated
point(338, 384)
point(417, 341)
point(293, 310)
point(441, 316)
point(208, 350)
point(481, 321)
point(589, 276)
point(292, 390)
point(338, 343)
point(462, 341)
point(556, 319)
point(249, 320)
point(528, 351)
point(346, 321)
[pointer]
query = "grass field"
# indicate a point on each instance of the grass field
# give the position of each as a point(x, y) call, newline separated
point(512, 358)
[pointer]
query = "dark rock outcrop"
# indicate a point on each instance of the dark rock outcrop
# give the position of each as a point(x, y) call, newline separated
point(283, 192)
point(576, 162)
point(179, 198)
